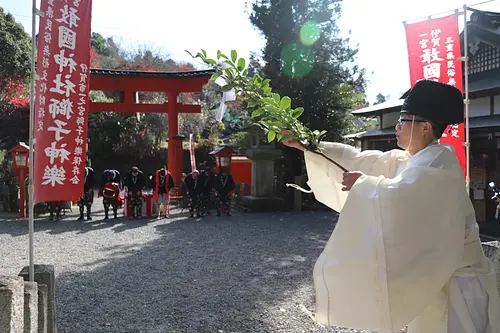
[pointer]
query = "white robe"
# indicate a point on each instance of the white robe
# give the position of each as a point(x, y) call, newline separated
point(406, 248)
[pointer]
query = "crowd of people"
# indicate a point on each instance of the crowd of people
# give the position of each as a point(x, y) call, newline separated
point(203, 190)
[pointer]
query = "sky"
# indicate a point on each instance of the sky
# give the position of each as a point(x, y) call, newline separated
point(172, 26)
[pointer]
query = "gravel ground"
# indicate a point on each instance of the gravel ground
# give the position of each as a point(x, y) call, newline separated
point(245, 273)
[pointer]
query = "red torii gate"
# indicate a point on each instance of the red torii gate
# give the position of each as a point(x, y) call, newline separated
point(172, 83)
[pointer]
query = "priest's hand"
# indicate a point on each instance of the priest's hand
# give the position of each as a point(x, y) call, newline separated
point(292, 143)
point(349, 178)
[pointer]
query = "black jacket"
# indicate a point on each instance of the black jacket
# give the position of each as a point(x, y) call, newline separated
point(136, 183)
point(194, 186)
point(89, 180)
point(224, 184)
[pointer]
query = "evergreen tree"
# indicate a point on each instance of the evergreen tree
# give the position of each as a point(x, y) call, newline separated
point(307, 59)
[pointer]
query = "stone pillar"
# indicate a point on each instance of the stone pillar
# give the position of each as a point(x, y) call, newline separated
point(11, 305)
point(43, 293)
point(44, 274)
point(263, 156)
point(30, 307)
point(262, 174)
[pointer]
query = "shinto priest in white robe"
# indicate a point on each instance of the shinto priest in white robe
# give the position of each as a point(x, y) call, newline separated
point(406, 247)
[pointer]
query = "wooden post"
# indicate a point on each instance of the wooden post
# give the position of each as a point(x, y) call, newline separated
point(22, 199)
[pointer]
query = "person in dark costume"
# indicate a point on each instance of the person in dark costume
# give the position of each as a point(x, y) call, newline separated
point(110, 191)
point(55, 207)
point(207, 182)
point(194, 189)
point(163, 182)
point(135, 183)
point(224, 185)
point(87, 197)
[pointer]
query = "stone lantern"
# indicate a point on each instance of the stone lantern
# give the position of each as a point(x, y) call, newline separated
point(263, 155)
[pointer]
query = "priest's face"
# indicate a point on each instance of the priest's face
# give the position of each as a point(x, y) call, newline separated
point(405, 126)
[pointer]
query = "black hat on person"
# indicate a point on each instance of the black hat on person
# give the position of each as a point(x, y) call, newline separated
point(436, 102)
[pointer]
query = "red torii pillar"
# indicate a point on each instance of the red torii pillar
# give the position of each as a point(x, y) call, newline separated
point(175, 153)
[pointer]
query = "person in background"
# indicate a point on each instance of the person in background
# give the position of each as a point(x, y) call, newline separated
point(87, 197)
point(207, 182)
point(135, 182)
point(224, 185)
point(162, 182)
point(194, 189)
point(110, 191)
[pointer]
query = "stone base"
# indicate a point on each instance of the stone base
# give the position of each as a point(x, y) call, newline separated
point(262, 204)
point(45, 275)
point(30, 307)
point(11, 305)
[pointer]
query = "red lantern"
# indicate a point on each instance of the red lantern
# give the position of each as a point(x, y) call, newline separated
point(223, 155)
point(20, 163)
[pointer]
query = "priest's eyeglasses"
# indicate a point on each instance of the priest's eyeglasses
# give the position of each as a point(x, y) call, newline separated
point(403, 120)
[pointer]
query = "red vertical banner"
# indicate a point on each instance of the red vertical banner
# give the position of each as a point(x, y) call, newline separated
point(191, 152)
point(62, 100)
point(433, 53)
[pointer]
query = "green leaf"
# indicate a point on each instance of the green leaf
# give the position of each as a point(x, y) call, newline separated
point(214, 76)
point(285, 103)
point(245, 72)
point(290, 136)
point(297, 112)
point(251, 104)
point(241, 64)
point(257, 113)
point(211, 61)
point(227, 87)
point(190, 53)
point(267, 90)
point(271, 136)
point(204, 53)
point(276, 98)
point(269, 101)
point(234, 55)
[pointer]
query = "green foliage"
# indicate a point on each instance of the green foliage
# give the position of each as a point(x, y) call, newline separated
point(240, 142)
point(15, 46)
point(273, 113)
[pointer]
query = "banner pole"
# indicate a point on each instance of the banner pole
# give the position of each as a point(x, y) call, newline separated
point(467, 102)
point(31, 205)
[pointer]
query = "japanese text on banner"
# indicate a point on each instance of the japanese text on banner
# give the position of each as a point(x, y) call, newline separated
point(434, 51)
point(434, 54)
point(62, 100)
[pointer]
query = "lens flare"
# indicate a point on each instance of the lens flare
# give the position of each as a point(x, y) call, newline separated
point(310, 33)
point(296, 60)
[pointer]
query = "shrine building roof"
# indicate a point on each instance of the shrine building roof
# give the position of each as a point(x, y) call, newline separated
point(119, 72)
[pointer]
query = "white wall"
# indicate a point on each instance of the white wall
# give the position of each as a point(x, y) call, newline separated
point(390, 119)
point(496, 104)
point(479, 107)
